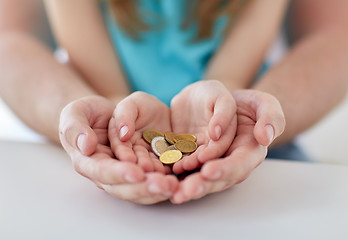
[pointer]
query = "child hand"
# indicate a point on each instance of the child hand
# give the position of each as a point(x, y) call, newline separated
point(136, 113)
point(207, 110)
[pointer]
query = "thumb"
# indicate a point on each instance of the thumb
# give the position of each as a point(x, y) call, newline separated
point(224, 112)
point(75, 131)
point(270, 121)
point(268, 113)
point(124, 118)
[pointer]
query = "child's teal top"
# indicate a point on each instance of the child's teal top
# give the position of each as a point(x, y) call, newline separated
point(164, 61)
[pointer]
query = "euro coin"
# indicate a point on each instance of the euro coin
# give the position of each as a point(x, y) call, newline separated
point(159, 145)
point(186, 146)
point(150, 134)
point(170, 156)
point(185, 136)
point(169, 136)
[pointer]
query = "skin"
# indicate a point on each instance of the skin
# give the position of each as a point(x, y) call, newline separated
point(211, 119)
point(255, 110)
point(136, 113)
point(318, 34)
point(84, 135)
point(207, 110)
point(319, 43)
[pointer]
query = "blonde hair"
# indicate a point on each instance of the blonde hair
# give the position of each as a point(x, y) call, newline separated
point(202, 12)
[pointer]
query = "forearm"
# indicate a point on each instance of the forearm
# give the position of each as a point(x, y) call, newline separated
point(35, 85)
point(90, 49)
point(310, 81)
point(238, 59)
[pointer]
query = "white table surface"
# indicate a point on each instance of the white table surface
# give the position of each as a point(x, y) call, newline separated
point(41, 197)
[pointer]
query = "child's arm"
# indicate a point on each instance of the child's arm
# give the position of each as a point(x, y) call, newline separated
point(240, 56)
point(79, 28)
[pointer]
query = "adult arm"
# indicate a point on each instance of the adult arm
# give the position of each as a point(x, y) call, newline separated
point(32, 82)
point(37, 88)
point(311, 79)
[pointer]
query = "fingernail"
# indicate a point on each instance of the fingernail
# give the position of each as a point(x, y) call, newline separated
point(81, 141)
point(270, 133)
point(123, 131)
point(217, 132)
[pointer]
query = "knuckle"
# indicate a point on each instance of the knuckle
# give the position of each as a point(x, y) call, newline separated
point(240, 173)
point(113, 191)
point(66, 135)
point(77, 167)
point(100, 172)
point(140, 95)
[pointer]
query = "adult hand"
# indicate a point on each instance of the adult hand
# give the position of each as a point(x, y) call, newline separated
point(260, 121)
point(207, 110)
point(84, 135)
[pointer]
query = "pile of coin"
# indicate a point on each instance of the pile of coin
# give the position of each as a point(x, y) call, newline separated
point(169, 146)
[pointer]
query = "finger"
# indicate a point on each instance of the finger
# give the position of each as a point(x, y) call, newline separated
point(144, 159)
point(105, 170)
point(158, 165)
point(178, 167)
point(75, 131)
point(215, 149)
point(167, 170)
point(195, 187)
point(190, 186)
point(157, 187)
point(125, 115)
point(270, 120)
point(218, 175)
point(224, 112)
point(122, 150)
point(237, 166)
point(187, 163)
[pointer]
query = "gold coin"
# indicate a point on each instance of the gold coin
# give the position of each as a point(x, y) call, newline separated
point(169, 136)
point(185, 136)
point(186, 146)
point(170, 156)
point(159, 145)
point(150, 134)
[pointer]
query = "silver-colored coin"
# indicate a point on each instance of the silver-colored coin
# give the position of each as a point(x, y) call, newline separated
point(159, 145)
